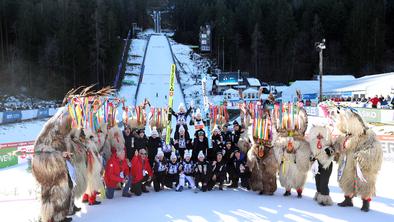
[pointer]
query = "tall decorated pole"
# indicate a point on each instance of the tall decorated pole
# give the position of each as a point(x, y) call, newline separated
point(206, 113)
point(170, 103)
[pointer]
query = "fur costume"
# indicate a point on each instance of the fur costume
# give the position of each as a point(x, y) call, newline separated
point(292, 151)
point(50, 170)
point(260, 158)
point(323, 154)
point(94, 165)
point(293, 155)
point(59, 164)
point(360, 157)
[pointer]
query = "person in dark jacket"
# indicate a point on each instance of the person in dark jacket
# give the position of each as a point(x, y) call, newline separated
point(173, 170)
point(203, 172)
point(154, 142)
point(166, 148)
point(217, 144)
point(200, 143)
point(228, 157)
point(129, 139)
point(159, 171)
point(241, 169)
point(237, 131)
point(226, 132)
point(218, 172)
point(141, 142)
point(182, 142)
point(181, 117)
point(186, 172)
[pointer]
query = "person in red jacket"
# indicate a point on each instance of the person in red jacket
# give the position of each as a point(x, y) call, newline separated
point(141, 172)
point(375, 100)
point(117, 171)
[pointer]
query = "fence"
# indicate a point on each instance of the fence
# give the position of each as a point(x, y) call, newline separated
point(20, 115)
point(385, 116)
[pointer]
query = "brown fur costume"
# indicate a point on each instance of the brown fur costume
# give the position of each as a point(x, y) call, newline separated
point(50, 170)
point(260, 159)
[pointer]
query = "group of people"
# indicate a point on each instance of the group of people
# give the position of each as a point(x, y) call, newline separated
point(267, 144)
point(365, 102)
point(184, 162)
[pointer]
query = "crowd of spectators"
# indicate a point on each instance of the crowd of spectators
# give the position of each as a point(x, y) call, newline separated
point(365, 102)
point(14, 104)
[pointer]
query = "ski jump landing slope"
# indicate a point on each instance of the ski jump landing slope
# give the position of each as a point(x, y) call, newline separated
point(156, 75)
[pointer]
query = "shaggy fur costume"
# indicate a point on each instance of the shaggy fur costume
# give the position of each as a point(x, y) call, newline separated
point(360, 156)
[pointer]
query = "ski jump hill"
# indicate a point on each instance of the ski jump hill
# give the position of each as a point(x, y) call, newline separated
point(155, 75)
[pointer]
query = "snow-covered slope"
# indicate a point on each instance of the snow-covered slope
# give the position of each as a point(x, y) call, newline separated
point(156, 74)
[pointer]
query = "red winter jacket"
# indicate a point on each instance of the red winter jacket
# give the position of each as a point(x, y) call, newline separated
point(375, 101)
point(113, 169)
point(137, 169)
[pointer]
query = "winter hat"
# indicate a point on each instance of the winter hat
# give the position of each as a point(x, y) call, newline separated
point(173, 156)
point(154, 132)
point(200, 155)
point(181, 107)
point(219, 153)
point(235, 123)
point(198, 113)
point(236, 150)
point(200, 132)
point(181, 129)
point(216, 129)
point(159, 152)
point(188, 153)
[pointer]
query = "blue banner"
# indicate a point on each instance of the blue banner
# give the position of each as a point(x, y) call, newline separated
point(309, 96)
point(42, 113)
point(12, 116)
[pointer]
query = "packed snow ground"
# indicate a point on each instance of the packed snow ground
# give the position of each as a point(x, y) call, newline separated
point(19, 202)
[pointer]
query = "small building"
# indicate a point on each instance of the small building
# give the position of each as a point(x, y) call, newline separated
point(250, 94)
point(231, 95)
point(253, 83)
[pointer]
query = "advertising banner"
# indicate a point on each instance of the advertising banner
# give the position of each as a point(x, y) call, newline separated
point(12, 116)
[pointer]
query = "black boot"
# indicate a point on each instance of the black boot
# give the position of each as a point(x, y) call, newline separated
point(287, 193)
point(299, 193)
point(95, 203)
point(346, 203)
point(76, 209)
point(365, 206)
point(144, 190)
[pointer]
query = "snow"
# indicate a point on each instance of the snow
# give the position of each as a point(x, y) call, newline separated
point(250, 90)
point(156, 75)
point(18, 191)
point(253, 82)
point(380, 84)
point(18, 132)
point(337, 78)
point(133, 70)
